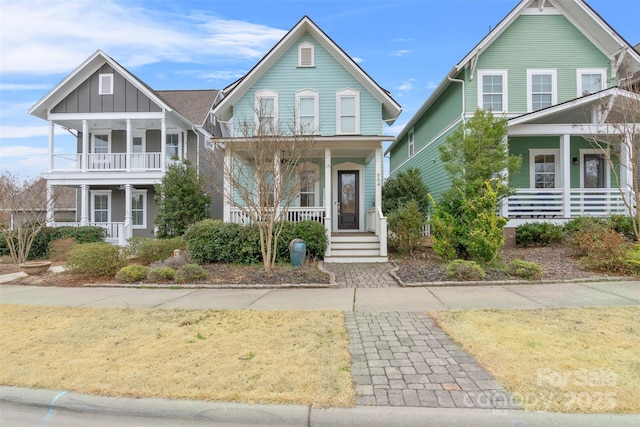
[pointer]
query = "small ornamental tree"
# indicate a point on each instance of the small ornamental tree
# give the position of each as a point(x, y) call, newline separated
point(403, 188)
point(181, 200)
point(465, 221)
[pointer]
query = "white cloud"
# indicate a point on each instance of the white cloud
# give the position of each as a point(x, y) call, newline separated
point(226, 76)
point(357, 59)
point(24, 86)
point(406, 85)
point(401, 39)
point(28, 131)
point(50, 37)
point(22, 151)
point(432, 84)
point(401, 52)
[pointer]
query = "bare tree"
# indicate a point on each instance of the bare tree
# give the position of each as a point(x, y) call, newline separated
point(263, 171)
point(619, 141)
point(23, 206)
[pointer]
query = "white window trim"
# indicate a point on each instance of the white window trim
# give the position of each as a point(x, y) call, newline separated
point(554, 85)
point(505, 86)
point(532, 166)
point(310, 166)
point(306, 45)
point(309, 93)
point(102, 90)
point(93, 204)
point(411, 143)
point(265, 93)
point(607, 168)
point(144, 208)
point(179, 144)
point(347, 93)
point(581, 71)
point(95, 132)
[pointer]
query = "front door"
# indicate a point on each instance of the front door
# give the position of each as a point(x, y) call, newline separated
point(348, 197)
point(594, 177)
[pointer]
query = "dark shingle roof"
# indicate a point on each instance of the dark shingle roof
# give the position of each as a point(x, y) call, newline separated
point(192, 104)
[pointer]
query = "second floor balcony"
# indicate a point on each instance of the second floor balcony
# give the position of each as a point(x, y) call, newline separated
point(120, 162)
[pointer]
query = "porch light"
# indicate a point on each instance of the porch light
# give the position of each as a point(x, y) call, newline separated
point(574, 160)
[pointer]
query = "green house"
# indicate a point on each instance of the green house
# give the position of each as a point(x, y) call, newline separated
point(557, 72)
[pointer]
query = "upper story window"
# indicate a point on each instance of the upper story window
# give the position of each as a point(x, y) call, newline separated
point(266, 112)
point(306, 55)
point(492, 90)
point(541, 89)
point(348, 112)
point(173, 146)
point(307, 105)
point(411, 142)
point(105, 84)
point(100, 143)
point(591, 80)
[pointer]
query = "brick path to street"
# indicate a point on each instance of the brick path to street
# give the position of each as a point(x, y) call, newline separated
point(404, 359)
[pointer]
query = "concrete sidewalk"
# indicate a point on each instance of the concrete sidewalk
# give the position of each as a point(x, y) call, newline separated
point(592, 294)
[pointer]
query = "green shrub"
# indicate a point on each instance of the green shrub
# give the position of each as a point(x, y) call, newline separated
point(405, 187)
point(287, 234)
point(211, 241)
point(190, 273)
point(151, 250)
point(524, 269)
point(95, 259)
point(406, 223)
point(538, 234)
point(314, 235)
point(623, 224)
point(585, 223)
point(460, 269)
point(174, 262)
point(161, 275)
point(4, 249)
point(41, 242)
point(632, 259)
point(132, 273)
point(83, 234)
point(602, 249)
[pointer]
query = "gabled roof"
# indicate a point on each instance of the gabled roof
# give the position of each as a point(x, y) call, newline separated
point(578, 12)
point(390, 108)
point(83, 72)
point(192, 104)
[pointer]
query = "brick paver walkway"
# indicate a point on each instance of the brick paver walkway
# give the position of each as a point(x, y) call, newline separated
point(365, 275)
point(404, 359)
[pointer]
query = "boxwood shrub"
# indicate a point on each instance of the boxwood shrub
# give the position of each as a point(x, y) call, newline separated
point(95, 259)
point(149, 250)
point(538, 234)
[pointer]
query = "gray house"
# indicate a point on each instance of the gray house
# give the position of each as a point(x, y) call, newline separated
point(127, 136)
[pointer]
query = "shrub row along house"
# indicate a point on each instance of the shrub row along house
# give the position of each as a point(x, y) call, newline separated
point(561, 76)
point(551, 67)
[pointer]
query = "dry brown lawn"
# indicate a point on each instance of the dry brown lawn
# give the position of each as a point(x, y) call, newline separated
point(241, 356)
point(566, 360)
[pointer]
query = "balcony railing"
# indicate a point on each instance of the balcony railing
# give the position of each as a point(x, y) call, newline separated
point(116, 232)
point(107, 161)
point(549, 203)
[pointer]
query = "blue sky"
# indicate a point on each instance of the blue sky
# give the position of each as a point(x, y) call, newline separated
point(406, 46)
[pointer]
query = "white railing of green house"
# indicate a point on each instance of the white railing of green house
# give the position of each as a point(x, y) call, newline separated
point(597, 202)
point(295, 214)
point(106, 161)
point(371, 219)
point(377, 223)
point(117, 232)
point(549, 203)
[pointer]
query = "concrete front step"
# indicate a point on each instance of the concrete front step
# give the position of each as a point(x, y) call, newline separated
point(355, 247)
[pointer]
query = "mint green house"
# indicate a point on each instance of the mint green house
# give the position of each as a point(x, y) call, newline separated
point(555, 69)
point(307, 78)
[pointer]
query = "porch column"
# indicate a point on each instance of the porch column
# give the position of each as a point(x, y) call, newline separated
point(327, 198)
point(227, 194)
point(163, 144)
point(565, 170)
point(127, 211)
point(185, 135)
point(626, 171)
point(378, 196)
point(50, 207)
point(381, 228)
point(504, 205)
point(84, 204)
point(51, 141)
point(129, 144)
point(85, 145)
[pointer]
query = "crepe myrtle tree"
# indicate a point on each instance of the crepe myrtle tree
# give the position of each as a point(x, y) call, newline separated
point(23, 212)
point(264, 167)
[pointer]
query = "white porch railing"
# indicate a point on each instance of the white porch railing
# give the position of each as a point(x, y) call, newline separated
point(295, 214)
point(371, 219)
point(117, 232)
point(106, 161)
point(377, 223)
point(549, 203)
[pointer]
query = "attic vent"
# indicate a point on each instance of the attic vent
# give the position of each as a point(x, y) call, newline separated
point(305, 55)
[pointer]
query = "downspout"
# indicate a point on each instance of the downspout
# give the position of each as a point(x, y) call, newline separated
point(464, 110)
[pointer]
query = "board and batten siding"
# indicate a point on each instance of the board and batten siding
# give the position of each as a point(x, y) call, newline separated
point(327, 77)
point(126, 97)
point(538, 42)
